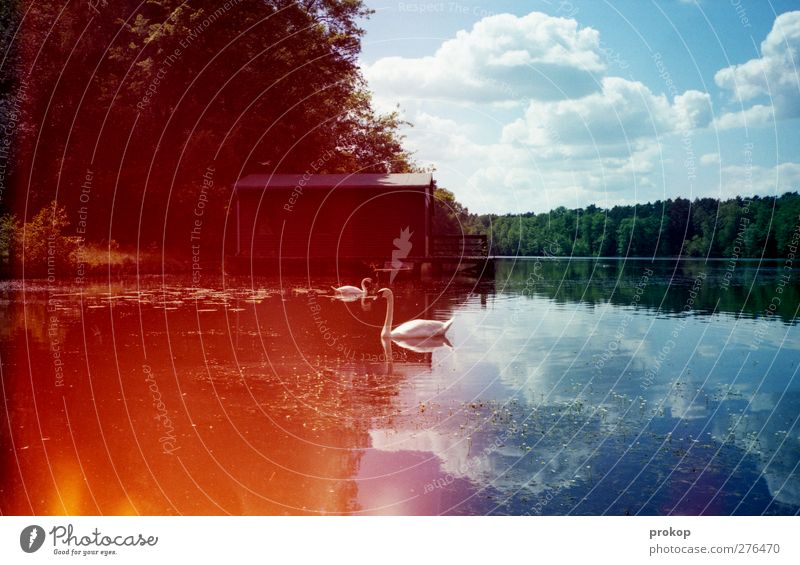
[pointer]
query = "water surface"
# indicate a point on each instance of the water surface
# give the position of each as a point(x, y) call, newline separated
point(571, 387)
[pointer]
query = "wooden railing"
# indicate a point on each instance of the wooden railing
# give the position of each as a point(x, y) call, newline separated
point(460, 246)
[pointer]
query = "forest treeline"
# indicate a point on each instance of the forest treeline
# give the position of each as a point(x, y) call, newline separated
point(118, 116)
point(704, 227)
point(123, 113)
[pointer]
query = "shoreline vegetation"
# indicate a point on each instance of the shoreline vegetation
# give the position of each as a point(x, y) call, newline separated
point(738, 228)
point(741, 228)
point(86, 213)
point(43, 248)
point(197, 106)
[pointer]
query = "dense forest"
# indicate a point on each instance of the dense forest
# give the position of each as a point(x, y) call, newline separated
point(118, 115)
point(705, 227)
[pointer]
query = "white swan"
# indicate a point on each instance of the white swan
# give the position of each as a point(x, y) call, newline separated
point(413, 330)
point(386, 342)
point(352, 292)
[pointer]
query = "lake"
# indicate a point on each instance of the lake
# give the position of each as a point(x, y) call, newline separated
point(582, 387)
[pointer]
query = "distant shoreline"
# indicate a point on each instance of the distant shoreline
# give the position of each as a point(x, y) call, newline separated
point(153, 269)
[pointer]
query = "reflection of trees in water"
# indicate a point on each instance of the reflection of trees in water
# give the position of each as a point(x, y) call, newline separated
point(270, 414)
point(268, 417)
point(42, 319)
point(750, 292)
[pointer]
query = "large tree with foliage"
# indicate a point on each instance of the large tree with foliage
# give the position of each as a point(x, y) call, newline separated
point(129, 105)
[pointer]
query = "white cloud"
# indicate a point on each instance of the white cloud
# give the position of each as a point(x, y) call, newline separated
point(511, 179)
point(710, 159)
point(622, 111)
point(502, 58)
point(754, 116)
point(599, 139)
point(442, 139)
point(691, 110)
point(774, 74)
point(748, 180)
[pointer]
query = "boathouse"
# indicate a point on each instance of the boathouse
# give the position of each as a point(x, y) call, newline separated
point(381, 220)
point(344, 216)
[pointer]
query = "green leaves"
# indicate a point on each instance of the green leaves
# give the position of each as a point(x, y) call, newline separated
point(705, 227)
point(168, 86)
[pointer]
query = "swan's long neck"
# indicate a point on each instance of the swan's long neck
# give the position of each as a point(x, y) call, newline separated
point(364, 286)
point(387, 352)
point(387, 324)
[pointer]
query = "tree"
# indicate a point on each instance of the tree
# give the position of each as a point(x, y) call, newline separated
point(9, 229)
point(41, 243)
point(450, 217)
point(706, 227)
point(157, 93)
point(787, 220)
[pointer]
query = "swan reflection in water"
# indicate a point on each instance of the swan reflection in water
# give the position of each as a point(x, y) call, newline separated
point(418, 345)
point(423, 344)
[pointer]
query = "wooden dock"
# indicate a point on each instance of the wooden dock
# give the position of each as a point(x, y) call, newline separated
point(450, 255)
point(461, 254)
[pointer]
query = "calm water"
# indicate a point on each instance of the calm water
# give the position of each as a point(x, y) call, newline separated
point(572, 387)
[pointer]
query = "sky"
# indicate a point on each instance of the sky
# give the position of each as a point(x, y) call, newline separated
point(527, 106)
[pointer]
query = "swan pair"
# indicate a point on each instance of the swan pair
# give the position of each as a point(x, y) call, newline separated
point(418, 335)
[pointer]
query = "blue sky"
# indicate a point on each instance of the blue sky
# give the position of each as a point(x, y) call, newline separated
point(525, 106)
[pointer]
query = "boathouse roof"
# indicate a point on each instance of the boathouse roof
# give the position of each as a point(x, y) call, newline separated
point(378, 181)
